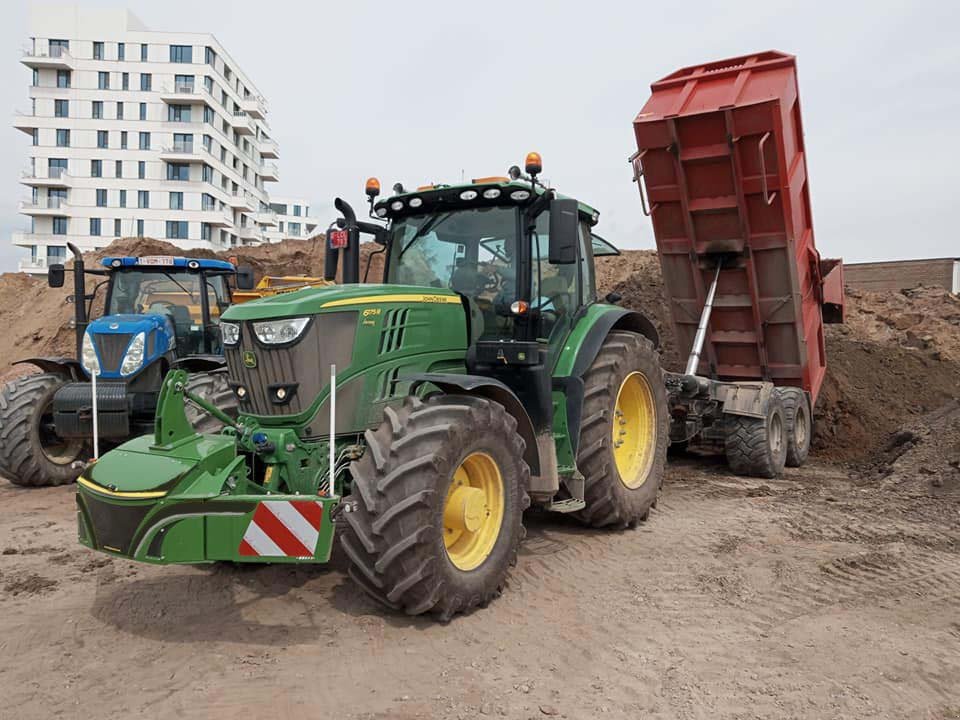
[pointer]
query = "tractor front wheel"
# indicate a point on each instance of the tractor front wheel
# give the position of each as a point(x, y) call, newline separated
point(31, 452)
point(212, 387)
point(436, 505)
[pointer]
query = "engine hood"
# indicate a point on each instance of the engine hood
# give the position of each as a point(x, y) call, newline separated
point(129, 324)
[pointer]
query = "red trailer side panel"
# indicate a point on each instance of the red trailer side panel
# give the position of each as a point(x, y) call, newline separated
point(720, 147)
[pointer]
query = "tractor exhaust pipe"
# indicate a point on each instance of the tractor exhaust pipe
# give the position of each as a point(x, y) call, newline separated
point(79, 296)
point(693, 362)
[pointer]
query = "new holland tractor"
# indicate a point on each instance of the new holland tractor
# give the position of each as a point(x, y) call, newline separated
point(416, 419)
point(160, 312)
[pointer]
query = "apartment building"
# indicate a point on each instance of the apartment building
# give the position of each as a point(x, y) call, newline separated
point(134, 132)
point(292, 220)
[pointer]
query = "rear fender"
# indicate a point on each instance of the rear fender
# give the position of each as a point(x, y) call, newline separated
point(199, 363)
point(68, 368)
point(490, 389)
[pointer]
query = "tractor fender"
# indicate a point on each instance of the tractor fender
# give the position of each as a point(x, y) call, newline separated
point(199, 363)
point(69, 368)
point(491, 389)
point(572, 384)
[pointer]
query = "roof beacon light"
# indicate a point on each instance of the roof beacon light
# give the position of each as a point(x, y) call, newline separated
point(533, 163)
point(373, 187)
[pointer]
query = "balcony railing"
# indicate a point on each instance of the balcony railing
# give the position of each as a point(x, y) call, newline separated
point(54, 173)
point(44, 203)
point(183, 149)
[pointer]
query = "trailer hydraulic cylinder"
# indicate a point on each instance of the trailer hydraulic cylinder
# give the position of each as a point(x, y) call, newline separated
point(693, 362)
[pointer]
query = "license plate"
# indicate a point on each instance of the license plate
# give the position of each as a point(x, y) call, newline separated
point(338, 239)
point(155, 260)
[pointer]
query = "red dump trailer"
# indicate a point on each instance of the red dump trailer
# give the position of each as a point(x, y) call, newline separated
point(720, 149)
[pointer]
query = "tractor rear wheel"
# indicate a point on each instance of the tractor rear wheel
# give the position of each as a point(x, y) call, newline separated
point(799, 425)
point(624, 433)
point(436, 505)
point(212, 387)
point(31, 452)
point(758, 446)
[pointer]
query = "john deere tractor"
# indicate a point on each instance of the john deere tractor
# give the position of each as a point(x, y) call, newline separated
point(417, 419)
point(161, 312)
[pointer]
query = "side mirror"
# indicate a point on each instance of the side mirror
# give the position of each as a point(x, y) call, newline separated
point(55, 276)
point(245, 278)
point(564, 231)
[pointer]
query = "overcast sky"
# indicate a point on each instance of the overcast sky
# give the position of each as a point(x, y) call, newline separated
point(432, 91)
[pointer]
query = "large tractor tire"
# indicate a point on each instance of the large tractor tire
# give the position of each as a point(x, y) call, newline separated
point(213, 388)
point(31, 452)
point(624, 433)
point(436, 505)
point(758, 446)
point(799, 425)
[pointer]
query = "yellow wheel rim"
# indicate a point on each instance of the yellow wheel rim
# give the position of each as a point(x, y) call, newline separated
point(634, 430)
point(473, 511)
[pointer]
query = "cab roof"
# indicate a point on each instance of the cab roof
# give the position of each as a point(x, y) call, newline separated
point(159, 262)
point(434, 197)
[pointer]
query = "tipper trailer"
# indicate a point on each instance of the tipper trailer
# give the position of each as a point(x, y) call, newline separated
point(720, 149)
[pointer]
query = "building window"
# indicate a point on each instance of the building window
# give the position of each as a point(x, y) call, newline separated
point(63, 138)
point(143, 199)
point(177, 230)
point(96, 168)
point(209, 116)
point(296, 211)
point(103, 139)
point(183, 142)
point(143, 111)
point(125, 80)
point(63, 78)
point(141, 169)
point(59, 226)
point(98, 51)
point(103, 80)
point(181, 54)
point(95, 227)
point(208, 83)
point(123, 198)
point(123, 139)
point(293, 228)
point(146, 82)
point(101, 197)
point(183, 83)
point(207, 143)
point(205, 233)
point(56, 167)
point(36, 78)
point(208, 202)
point(178, 113)
point(119, 111)
point(35, 135)
point(61, 108)
point(118, 168)
point(121, 51)
point(178, 171)
point(207, 174)
point(143, 52)
point(97, 111)
point(144, 141)
point(210, 56)
point(176, 201)
point(117, 228)
point(140, 222)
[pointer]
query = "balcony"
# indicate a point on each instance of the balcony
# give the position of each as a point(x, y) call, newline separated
point(269, 148)
point(242, 200)
point(265, 218)
point(25, 121)
point(221, 217)
point(54, 57)
point(242, 123)
point(255, 107)
point(179, 93)
point(43, 206)
point(184, 152)
point(269, 172)
point(250, 234)
point(46, 177)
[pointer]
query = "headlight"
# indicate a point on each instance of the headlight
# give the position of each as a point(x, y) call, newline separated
point(278, 332)
point(133, 360)
point(90, 361)
point(519, 195)
point(230, 332)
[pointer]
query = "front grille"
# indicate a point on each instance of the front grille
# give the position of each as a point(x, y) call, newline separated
point(110, 349)
point(306, 363)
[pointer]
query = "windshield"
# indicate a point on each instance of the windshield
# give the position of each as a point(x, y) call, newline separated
point(176, 294)
point(470, 251)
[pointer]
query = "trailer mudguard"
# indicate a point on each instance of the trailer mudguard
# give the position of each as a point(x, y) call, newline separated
point(69, 368)
point(491, 389)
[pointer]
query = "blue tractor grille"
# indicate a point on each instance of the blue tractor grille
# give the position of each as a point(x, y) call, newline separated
point(110, 349)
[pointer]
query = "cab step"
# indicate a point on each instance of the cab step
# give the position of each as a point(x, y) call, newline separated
point(566, 506)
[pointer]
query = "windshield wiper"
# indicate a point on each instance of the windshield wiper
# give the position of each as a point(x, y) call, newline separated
point(424, 229)
point(171, 277)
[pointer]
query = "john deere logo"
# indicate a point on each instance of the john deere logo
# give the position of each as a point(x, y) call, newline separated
point(249, 359)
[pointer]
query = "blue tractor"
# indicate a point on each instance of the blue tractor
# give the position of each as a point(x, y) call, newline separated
point(160, 313)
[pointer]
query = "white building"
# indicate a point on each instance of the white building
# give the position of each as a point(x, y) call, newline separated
point(139, 133)
point(293, 219)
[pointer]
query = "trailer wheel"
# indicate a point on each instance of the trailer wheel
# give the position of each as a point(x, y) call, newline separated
point(758, 446)
point(31, 452)
point(213, 388)
point(799, 425)
point(436, 505)
point(624, 433)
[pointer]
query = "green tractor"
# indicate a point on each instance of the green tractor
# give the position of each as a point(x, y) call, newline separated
point(416, 419)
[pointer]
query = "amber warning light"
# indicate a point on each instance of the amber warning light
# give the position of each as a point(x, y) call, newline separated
point(533, 163)
point(373, 187)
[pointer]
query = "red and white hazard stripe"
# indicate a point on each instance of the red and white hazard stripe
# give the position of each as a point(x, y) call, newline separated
point(282, 528)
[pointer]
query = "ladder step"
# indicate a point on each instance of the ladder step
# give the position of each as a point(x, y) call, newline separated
point(566, 506)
